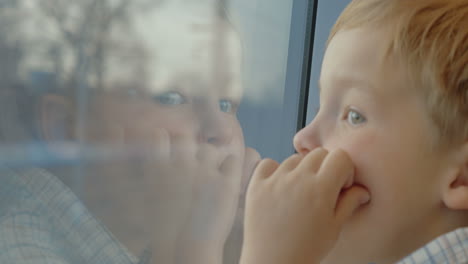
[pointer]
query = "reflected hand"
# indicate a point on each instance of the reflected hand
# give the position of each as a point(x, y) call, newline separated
point(144, 193)
point(168, 169)
point(251, 160)
point(216, 193)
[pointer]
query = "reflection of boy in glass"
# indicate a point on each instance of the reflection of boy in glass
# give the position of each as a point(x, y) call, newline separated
point(163, 154)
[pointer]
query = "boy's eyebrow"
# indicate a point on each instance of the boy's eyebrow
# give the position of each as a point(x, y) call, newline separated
point(351, 82)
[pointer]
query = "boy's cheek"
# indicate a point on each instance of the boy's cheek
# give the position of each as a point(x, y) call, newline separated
point(363, 149)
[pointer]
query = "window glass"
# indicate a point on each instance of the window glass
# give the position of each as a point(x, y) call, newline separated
point(129, 129)
point(327, 14)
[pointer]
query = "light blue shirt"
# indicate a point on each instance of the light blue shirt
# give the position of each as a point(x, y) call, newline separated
point(451, 248)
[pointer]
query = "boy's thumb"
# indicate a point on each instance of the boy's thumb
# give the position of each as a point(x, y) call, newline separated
point(350, 200)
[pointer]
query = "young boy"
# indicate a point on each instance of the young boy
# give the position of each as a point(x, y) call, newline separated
point(381, 174)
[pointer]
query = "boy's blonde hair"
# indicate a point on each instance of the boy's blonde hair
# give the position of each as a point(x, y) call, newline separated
point(430, 37)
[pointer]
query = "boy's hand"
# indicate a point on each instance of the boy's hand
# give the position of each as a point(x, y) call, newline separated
point(295, 211)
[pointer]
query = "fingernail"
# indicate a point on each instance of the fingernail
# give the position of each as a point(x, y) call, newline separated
point(365, 199)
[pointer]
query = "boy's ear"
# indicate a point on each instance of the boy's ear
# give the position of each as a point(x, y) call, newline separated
point(455, 192)
point(55, 119)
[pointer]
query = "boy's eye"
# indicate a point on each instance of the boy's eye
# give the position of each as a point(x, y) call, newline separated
point(354, 118)
point(227, 106)
point(170, 98)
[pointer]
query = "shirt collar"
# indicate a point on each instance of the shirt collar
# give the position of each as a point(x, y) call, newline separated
point(451, 248)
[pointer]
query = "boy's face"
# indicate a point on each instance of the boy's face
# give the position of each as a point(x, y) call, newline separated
point(369, 109)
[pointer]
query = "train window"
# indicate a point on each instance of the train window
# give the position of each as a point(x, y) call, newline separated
point(327, 13)
point(129, 129)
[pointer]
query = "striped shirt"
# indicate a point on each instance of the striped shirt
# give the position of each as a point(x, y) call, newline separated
point(451, 248)
point(43, 222)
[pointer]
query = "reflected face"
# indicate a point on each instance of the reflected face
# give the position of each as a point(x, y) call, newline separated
point(208, 118)
point(191, 88)
point(190, 81)
point(368, 109)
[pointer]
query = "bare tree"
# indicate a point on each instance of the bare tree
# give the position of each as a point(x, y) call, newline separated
point(86, 28)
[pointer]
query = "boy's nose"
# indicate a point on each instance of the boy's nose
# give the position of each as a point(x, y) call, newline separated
point(307, 139)
point(215, 128)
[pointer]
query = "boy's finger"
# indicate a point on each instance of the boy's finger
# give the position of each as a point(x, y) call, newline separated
point(183, 149)
point(150, 145)
point(251, 160)
point(161, 145)
point(130, 143)
point(335, 172)
point(231, 181)
point(350, 200)
point(206, 154)
point(231, 168)
point(265, 169)
point(312, 162)
point(290, 163)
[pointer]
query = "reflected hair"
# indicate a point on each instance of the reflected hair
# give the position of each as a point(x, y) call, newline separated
point(429, 38)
